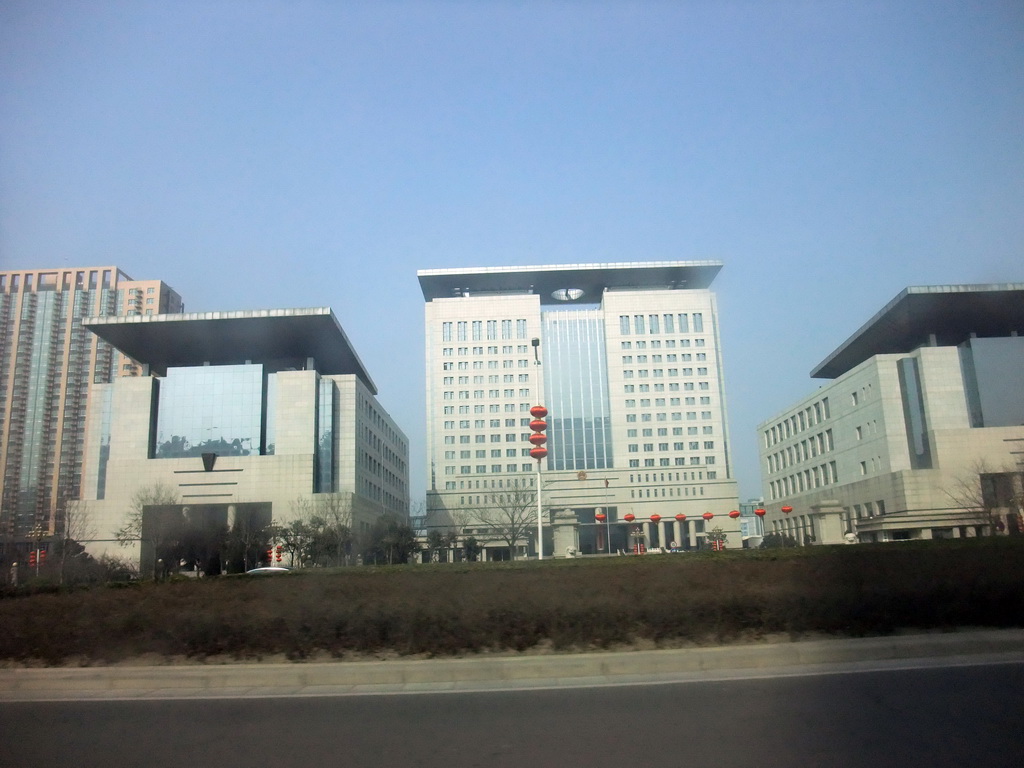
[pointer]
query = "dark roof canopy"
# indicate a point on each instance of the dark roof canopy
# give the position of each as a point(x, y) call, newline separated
point(281, 338)
point(591, 279)
point(935, 315)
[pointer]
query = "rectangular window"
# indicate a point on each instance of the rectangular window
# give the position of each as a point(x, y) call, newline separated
point(506, 329)
point(446, 331)
point(684, 322)
point(669, 323)
point(478, 330)
point(698, 322)
point(653, 324)
point(638, 324)
point(520, 329)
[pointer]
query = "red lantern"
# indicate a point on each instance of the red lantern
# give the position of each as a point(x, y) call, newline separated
point(680, 517)
point(538, 438)
point(734, 514)
point(32, 558)
point(629, 517)
point(786, 510)
point(600, 517)
point(759, 512)
point(707, 515)
point(655, 518)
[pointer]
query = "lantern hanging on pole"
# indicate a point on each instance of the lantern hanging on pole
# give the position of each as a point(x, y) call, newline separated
point(734, 514)
point(600, 517)
point(629, 517)
point(681, 517)
point(655, 518)
point(538, 438)
point(786, 510)
point(759, 512)
point(707, 515)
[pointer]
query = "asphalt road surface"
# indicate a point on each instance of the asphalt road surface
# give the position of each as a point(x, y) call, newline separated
point(955, 716)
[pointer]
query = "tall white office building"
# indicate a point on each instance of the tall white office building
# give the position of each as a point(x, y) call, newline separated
point(627, 359)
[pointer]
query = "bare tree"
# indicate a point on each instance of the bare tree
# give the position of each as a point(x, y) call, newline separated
point(986, 495)
point(160, 545)
point(335, 510)
point(131, 530)
point(78, 527)
point(510, 512)
point(320, 532)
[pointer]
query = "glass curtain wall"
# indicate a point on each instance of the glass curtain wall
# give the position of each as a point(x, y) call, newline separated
point(210, 409)
point(576, 385)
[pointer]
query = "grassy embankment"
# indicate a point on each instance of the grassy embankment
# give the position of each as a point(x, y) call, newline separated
point(562, 605)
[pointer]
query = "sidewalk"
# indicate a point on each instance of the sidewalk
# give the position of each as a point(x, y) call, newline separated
point(505, 672)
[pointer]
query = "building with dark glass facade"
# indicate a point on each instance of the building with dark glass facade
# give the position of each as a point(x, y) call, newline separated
point(48, 361)
point(267, 412)
point(628, 362)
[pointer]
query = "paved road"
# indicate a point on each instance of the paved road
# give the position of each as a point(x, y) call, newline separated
point(965, 716)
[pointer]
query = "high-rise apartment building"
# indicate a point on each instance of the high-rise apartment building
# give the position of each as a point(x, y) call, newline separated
point(627, 359)
point(47, 362)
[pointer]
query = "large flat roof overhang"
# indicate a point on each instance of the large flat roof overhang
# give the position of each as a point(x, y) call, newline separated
point(545, 281)
point(281, 338)
point(933, 315)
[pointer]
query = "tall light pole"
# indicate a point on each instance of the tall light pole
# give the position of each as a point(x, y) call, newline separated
point(538, 438)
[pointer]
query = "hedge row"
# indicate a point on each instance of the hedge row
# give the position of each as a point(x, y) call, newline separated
point(437, 610)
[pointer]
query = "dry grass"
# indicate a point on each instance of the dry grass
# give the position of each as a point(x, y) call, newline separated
point(440, 610)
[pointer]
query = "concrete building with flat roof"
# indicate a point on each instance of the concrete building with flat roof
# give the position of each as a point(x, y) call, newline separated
point(918, 434)
point(263, 415)
point(627, 359)
point(48, 360)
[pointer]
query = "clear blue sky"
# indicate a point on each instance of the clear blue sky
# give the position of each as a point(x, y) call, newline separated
point(283, 154)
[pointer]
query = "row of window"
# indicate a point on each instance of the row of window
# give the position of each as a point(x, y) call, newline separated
point(679, 461)
point(466, 423)
point(676, 415)
point(658, 373)
point(793, 425)
point(479, 351)
point(495, 453)
point(659, 343)
point(682, 322)
point(666, 493)
point(508, 378)
point(687, 386)
point(805, 450)
point(487, 423)
point(480, 469)
point(478, 394)
point(479, 330)
point(807, 480)
point(671, 357)
point(672, 401)
point(676, 431)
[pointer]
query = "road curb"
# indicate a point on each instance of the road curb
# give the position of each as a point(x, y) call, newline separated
point(481, 672)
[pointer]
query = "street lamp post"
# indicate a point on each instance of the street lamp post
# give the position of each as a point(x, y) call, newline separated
point(538, 438)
